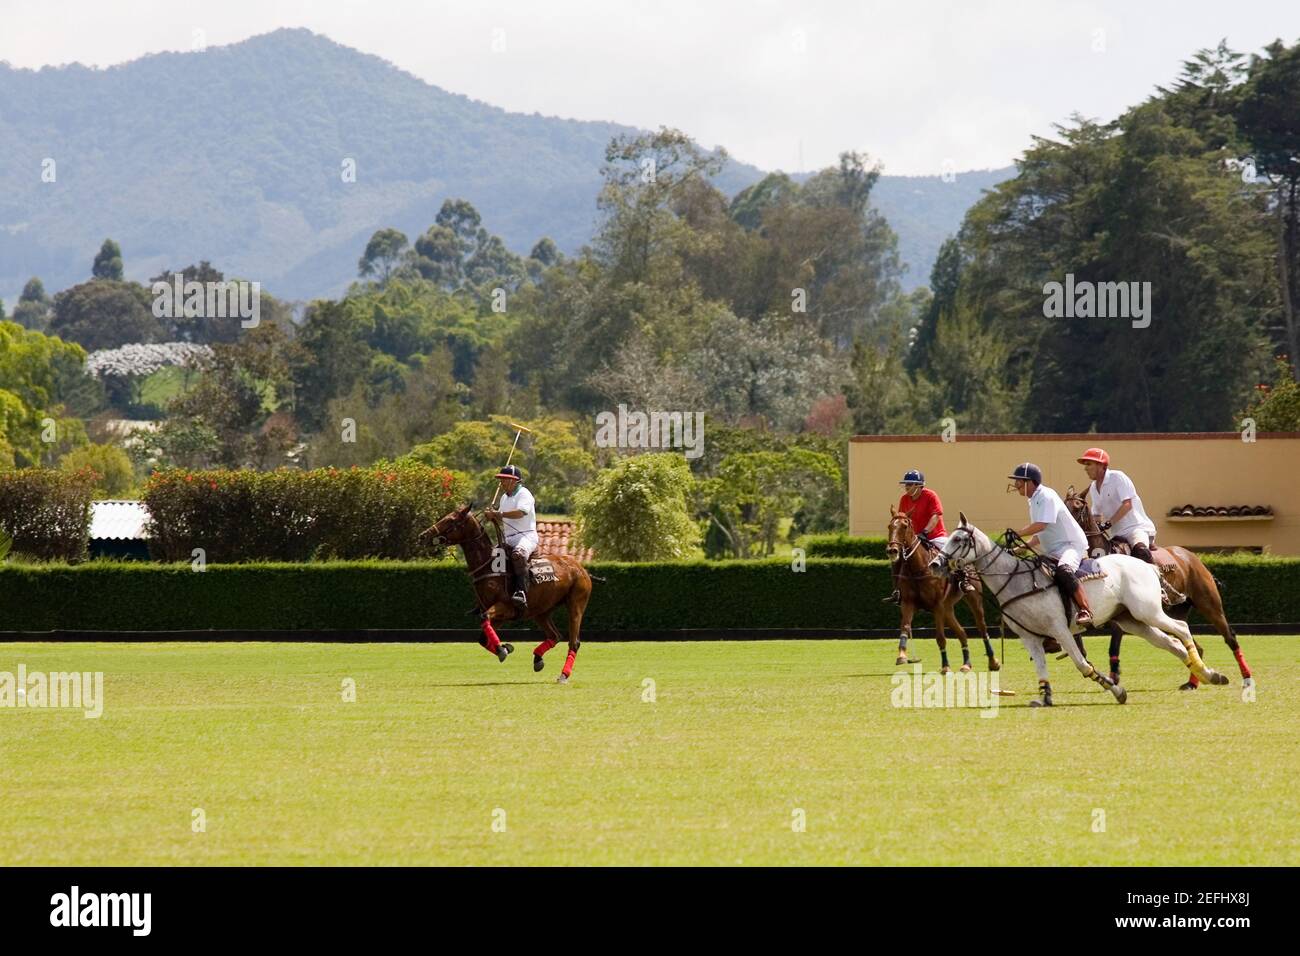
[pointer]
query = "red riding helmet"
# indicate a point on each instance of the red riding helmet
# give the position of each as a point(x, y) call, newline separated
point(1095, 454)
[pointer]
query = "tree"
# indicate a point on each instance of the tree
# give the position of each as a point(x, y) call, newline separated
point(1269, 118)
point(33, 309)
point(105, 314)
point(35, 371)
point(108, 262)
point(383, 254)
point(554, 460)
point(112, 467)
point(1276, 408)
point(638, 510)
point(753, 492)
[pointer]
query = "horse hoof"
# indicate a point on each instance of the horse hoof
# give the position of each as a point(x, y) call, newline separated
point(945, 669)
point(1041, 703)
point(1188, 686)
point(1114, 677)
point(904, 659)
point(504, 651)
point(1220, 680)
point(562, 679)
point(965, 668)
point(1121, 695)
point(994, 665)
point(538, 663)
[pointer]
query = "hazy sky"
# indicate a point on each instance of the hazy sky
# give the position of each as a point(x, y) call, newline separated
point(779, 83)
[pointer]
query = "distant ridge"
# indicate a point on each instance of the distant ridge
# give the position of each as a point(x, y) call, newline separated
point(234, 154)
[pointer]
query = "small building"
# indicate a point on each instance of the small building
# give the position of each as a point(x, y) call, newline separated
point(1206, 491)
point(117, 530)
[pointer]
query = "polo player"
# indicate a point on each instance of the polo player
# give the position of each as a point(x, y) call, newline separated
point(1114, 501)
point(1052, 528)
point(518, 514)
point(923, 507)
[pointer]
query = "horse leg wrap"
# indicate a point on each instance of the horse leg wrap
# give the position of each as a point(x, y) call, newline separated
point(944, 654)
point(1241, 662)
point(965, 656)
point(902, 641)
point(490, 639)
point(568, 662)
point(543, 647)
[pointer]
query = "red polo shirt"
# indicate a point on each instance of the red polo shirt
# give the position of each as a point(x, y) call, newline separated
point(925, 507)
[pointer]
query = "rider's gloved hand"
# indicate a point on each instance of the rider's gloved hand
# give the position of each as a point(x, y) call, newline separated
point(1104, 526)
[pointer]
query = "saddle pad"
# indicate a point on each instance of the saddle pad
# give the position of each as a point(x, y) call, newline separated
point(1089, 570)
point(541, 570)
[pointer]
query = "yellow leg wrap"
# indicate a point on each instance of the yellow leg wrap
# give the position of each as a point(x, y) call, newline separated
point(1194, 662)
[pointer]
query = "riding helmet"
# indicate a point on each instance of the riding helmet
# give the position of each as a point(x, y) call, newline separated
point(1029, 472)
point(1095, 454)
point(913, 477)
point(510, 471)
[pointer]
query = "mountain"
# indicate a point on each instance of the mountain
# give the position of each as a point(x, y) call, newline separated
point(236, 155)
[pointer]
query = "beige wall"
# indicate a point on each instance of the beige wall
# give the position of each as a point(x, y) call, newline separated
point(969, 475)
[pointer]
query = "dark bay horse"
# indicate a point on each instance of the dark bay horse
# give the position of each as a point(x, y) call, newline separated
point(919, 588)
point(487, 570)
point(1184, 571)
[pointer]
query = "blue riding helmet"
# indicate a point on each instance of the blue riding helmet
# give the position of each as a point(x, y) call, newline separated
point(913, 477)
point(1029, 472)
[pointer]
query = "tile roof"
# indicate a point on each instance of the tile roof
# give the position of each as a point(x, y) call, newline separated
point(1222, 511)
point(557, 537)
point(121, 520)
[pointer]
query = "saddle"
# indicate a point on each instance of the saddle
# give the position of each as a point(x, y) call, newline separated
point(541, 570)
point(1089, 570)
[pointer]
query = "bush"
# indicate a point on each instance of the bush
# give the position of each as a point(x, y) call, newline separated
point(290, 515)
point(115, 476)
point(844, 546)
point(637, 510)
point(47, 512)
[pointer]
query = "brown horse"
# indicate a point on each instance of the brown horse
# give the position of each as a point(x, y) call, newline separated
point(920, 588)
point(1184, 572)
point(487, 570)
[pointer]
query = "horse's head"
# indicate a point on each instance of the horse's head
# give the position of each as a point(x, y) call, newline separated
point(901, 535)
point(457, 527)
point(961, 547)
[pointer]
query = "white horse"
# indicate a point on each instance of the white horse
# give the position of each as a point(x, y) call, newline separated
point(1129, 594)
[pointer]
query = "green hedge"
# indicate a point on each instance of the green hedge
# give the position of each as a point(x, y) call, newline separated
point(292, 515)
point(844, 546)
point(47, 512)
point(415, 595)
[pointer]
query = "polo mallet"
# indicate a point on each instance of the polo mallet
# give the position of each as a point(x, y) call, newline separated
point(519, 430)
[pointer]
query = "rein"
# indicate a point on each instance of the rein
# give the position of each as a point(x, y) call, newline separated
point(1034, 565)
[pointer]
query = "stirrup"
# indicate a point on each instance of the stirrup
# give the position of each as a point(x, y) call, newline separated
point(519, 599)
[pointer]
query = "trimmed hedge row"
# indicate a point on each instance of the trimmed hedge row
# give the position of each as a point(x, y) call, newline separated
point(416, 595)
point(291, 515)
point(844, 546)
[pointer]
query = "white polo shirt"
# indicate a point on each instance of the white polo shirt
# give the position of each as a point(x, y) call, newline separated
point(526, 525)
point(1107, 497)
point(1062, 533)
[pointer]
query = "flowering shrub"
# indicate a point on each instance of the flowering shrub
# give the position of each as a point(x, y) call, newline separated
point(47, 512)
point(141, 359)
point(291, 515)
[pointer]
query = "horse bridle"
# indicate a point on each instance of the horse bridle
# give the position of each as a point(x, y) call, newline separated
point(1023, 566)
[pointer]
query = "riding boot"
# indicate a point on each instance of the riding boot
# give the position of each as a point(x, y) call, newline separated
point(519, 565)
point(1084, 617)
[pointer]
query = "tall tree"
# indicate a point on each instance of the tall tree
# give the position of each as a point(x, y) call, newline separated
point(108, 262)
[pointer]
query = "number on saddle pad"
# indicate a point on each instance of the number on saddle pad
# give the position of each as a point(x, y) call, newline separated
point(541, 570)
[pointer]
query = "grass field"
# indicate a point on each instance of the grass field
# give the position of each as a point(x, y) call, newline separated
point(442, 738)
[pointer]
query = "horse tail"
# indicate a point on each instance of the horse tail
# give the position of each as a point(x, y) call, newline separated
point(597, 577)
point(1219, 584)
